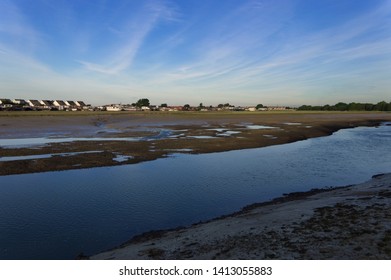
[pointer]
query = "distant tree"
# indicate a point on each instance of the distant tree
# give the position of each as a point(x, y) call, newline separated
point(163, 105)
point(381, 106)
point(226, 105)
point(220, 106)
point(353, 106)
point(186, 107)
point(305, 108)
point(340, 106)
point(142, 102)
point(259, 106)
point(369, 107)
point(201, 106)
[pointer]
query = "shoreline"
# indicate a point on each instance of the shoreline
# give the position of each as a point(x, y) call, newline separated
point(348, 222)
point(163, 135)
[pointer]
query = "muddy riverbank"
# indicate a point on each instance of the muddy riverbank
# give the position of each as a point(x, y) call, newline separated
point(90, 140)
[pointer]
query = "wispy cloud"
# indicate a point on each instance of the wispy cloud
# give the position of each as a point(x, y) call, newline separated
point(240, 49)
point(135, 32)
point(15, 30)
point(334, 45)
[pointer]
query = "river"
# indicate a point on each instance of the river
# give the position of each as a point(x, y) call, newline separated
point(57, 215)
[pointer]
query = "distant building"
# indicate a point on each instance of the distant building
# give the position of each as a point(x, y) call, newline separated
point(34, 103)
point(81, 104)
point(276, 108)
point(47, 104)
point(71, 104)
point(19, 101)
point(59, 104)
point(114, 108)
point(177, 108)
point(129, 108)
point(5, 101)
point(21, 104)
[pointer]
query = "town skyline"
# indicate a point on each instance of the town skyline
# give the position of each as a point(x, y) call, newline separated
point(185, 52)
point(144, 104)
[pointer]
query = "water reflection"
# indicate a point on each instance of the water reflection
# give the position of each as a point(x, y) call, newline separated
point(13, 158)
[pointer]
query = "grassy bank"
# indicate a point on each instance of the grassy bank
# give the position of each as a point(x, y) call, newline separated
point(179, 113)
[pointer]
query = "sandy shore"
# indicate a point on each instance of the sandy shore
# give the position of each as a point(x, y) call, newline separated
point(352, 222)
point(161, 134)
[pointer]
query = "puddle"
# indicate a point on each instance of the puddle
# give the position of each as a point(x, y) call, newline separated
point(110, 131)
point(201, 137)
point(31, 157)
point(122, 158)
point(162, 134)
point(254, 126)
point(216, 129)
point(29, 142)
point(270, 136)
point(177, 136)
point(228, 133)
point(292, 123)
point(178, 150)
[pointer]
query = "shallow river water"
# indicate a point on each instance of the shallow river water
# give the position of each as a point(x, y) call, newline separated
point(57, 215)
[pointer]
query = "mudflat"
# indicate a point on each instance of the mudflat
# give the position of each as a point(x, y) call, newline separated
point(75, 140)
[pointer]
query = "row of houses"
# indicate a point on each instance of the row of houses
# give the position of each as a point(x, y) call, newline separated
point(128, 107)
point(123, 107)
point(33, 104)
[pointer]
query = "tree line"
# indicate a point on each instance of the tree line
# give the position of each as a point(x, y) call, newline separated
point(341, 106)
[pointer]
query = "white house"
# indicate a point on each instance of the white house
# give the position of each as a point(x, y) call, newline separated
point(19, 101)
point(6, 103)
point(47, 104)
point(34, 103)
point(61, 105)
point(129, 108)
point(81, 104)
point(114, 108)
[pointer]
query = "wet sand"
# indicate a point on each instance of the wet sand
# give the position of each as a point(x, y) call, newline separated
point(352, 222)
point(160, 134)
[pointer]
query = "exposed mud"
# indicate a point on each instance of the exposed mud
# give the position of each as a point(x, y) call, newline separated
point(155, 136)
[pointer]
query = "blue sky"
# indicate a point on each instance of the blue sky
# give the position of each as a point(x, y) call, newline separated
point(273, 52)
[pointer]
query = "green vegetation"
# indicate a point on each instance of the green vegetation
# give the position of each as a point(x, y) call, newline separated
point(341, 106)
point(142, 102)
